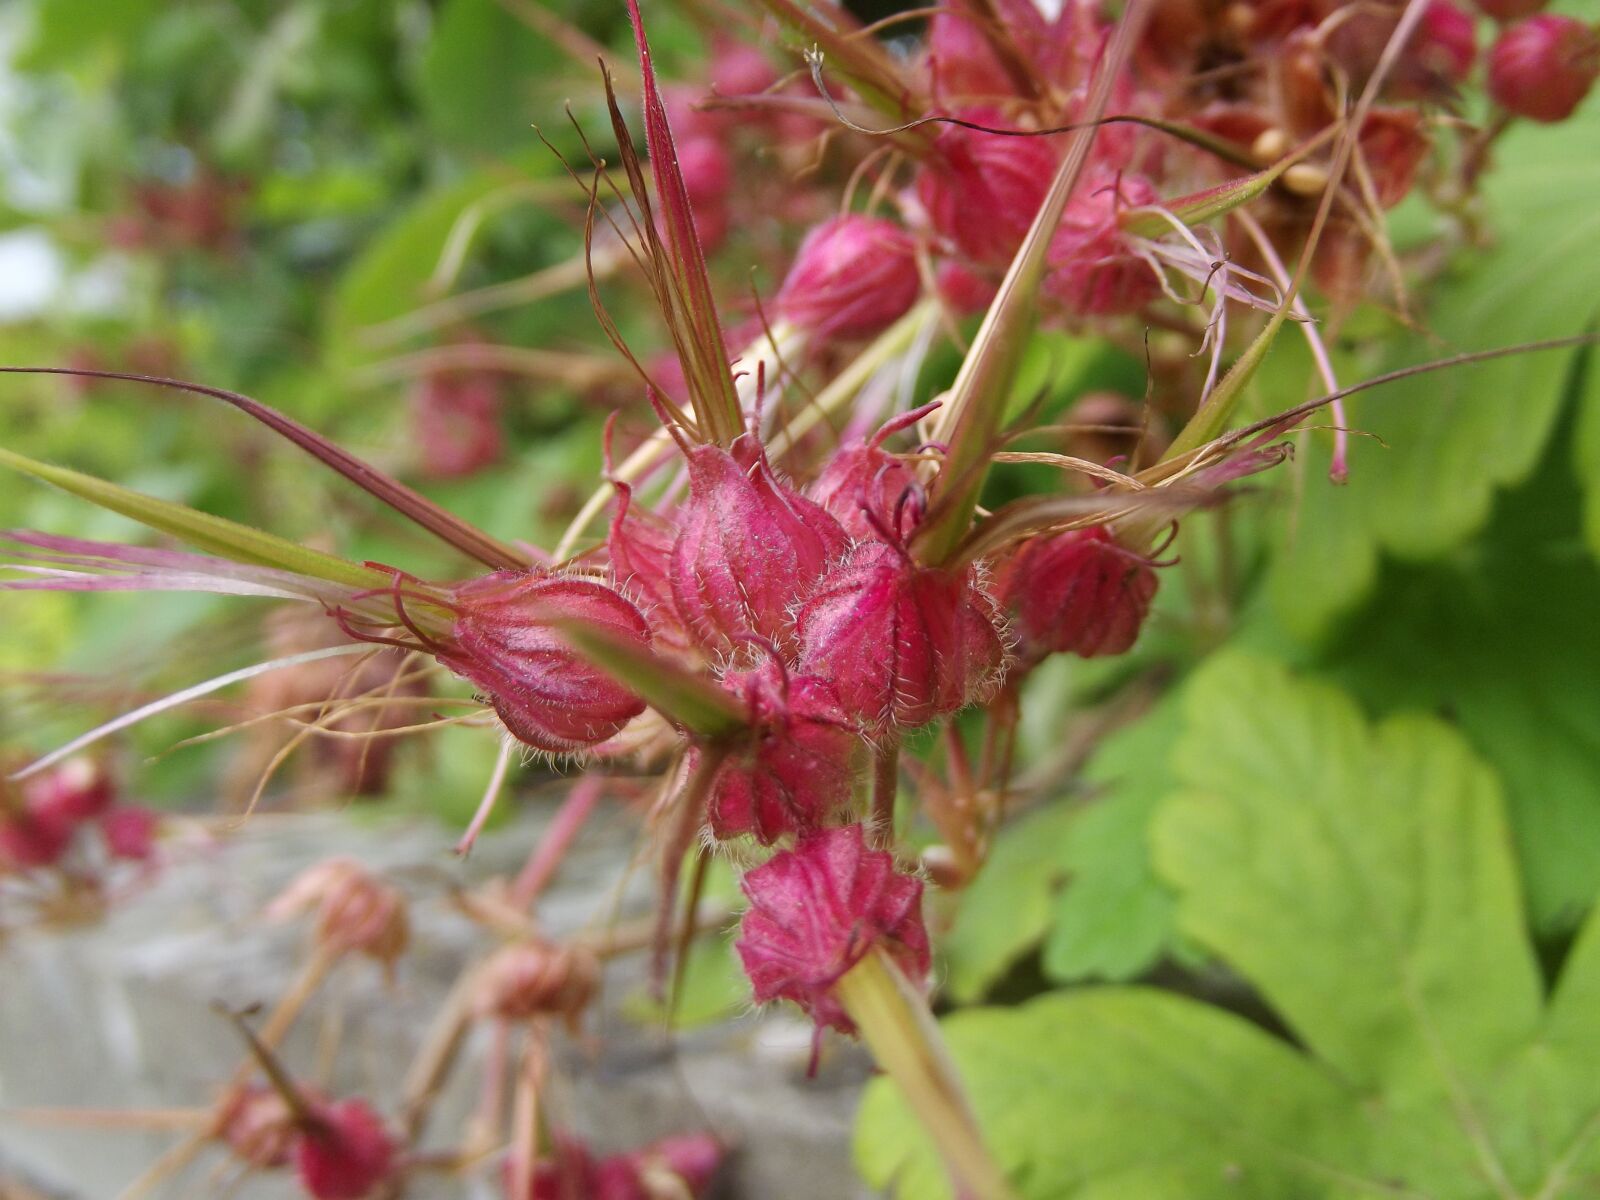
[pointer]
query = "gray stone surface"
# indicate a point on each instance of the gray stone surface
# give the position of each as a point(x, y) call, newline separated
point(119, 1016)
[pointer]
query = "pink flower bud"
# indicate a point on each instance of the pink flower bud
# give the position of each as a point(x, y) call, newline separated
point(682, 1167)
point(963, 289)
point(33, 834)
point(1510, 10)
point(640, 545)
point(505, 642)
point(129, 832)
point(982, 190)
point(901, 643)
point(852, 277)
point(1393, 143)
point(1543, 67)
point(792, 770)
point(345, 1153)
point(1446, 43)
point(960, 59)
point(1078, 592)
point(871, 493)
point(689, 1160)
point(707, 178)
point(817, 910)
point(455, 423)
point(1093, 270)
point(750, 546)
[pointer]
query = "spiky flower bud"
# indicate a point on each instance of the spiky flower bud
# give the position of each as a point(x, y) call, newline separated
point(749, 545)
point(792, 769)
point(982, 190)
point(344, 1152)
point(869, 491)
point(505, 641)
point(817, 910)
point(1079, 592)
point(901, 643)
point(1093, 269)
point(852, 277)
point(1543, 67)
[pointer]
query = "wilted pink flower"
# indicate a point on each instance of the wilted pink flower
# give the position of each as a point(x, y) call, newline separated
point(792, 769)
point(868, 491)
point(982, 190)
point(817, 910)
point(1078, 592)
point(749, 547)
point(902, 643)
point(852, 277)
point(505, 641)
point(1093, 268)
point(455, 418)
point(129, 832)
point(344, 1152)
point(1543, 67)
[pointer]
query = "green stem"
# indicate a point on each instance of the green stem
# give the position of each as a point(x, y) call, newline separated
point(898, 1029)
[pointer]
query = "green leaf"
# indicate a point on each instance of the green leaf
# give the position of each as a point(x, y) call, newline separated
point(1360, 876)
point(1586, 447)
point(481, 76)
point(1494, 637)
point(1122, 1094)
point(1006, 910)
point(1114, 919)
point(215, 535)
point(1460, 435)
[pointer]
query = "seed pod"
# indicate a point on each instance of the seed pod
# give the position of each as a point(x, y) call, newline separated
point(817, 910)
point(504, 641)
point(852, 277)
point(982, 190)
point(1543, 67)
point(258, 1126)
point(344, 1152)
point(792, 769)
point(355, 911)
point(750, 546)
point(1079, 592)
point(1093, 270)
point(530, 979)
point(901, 643)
